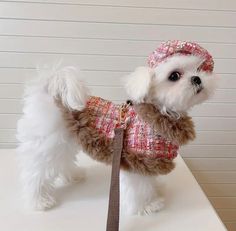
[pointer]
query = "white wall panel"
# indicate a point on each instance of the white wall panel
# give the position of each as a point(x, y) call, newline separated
point(231, 226)
point(7, 135)
point(215, 109)
point(116, 31)
point(216, 176)
point(180, 4)
point(216, 190)
point(227, 215)
point(208, 150)
point(223, 202)
point(215, 123)
point(85, 13)
point(215, 137)
point(8, 120)
point(10, 106)
point(211, 164)
point(92, 46)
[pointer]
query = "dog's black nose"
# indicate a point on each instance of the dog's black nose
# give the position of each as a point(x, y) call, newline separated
point(196, 80)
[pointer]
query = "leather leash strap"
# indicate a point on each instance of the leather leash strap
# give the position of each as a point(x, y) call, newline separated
point(114, 198)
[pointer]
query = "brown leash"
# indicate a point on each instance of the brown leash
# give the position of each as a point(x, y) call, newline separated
point(114, 198)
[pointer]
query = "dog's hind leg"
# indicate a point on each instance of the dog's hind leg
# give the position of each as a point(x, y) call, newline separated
point(36, 177)
point(41, 162)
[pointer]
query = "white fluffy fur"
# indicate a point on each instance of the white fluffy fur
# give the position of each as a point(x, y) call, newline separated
point(138, 83)
point(138, 194)
point(66, 85)
point(47, 150)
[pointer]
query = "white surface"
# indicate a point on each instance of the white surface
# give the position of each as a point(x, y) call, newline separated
point(84, 206)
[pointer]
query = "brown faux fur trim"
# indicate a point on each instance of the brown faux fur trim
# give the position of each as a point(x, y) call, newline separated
point(100, 148)
point(179, 130)
point(93, 143)
point(146, 165)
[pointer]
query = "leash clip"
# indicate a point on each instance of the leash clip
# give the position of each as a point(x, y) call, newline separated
point(123, 114)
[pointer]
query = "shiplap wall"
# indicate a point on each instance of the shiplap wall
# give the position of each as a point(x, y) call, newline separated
point(109, 38)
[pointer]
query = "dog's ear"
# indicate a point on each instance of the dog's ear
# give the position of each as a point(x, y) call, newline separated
point(138, 83)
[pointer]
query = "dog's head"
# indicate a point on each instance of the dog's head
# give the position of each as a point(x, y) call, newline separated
point(176, 79)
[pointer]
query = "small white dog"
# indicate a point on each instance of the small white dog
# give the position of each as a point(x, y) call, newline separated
point(55, 124)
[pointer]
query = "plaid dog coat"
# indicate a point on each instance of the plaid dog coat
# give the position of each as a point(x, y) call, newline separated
point(139, 137)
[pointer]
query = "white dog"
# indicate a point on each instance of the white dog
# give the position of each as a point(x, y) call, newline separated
point(179, 76)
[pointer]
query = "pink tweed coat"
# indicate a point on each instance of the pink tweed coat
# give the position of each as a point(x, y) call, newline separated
point(139, 137)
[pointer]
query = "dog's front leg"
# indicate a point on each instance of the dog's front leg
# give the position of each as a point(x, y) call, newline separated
point(139, 194)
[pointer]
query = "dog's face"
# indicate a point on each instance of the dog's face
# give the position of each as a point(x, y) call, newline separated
point(177, 84)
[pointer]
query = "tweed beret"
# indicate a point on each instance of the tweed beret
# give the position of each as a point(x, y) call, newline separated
point(173, 47)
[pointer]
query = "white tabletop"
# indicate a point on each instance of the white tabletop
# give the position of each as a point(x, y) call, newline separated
point(84, 206)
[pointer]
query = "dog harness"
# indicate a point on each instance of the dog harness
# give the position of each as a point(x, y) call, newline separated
point(139, 136)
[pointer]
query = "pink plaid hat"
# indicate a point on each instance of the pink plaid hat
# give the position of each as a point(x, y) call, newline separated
point(170, 48)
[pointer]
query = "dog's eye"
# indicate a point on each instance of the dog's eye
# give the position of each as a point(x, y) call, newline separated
point(174, 76)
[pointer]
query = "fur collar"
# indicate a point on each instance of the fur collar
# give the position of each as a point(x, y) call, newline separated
point(180, 130)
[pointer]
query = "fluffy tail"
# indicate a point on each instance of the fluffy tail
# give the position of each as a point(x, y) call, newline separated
point(65, 84)
point(41, 116)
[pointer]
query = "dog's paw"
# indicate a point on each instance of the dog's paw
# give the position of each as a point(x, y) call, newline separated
point(153, 207)
point(44, 203)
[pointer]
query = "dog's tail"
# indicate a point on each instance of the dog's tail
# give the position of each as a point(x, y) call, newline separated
point(64, 84)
